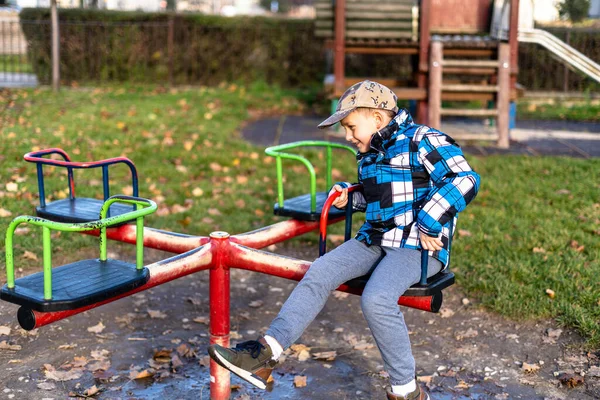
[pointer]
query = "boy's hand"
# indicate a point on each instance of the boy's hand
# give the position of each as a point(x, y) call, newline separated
point(341, 201)
point(431, 242)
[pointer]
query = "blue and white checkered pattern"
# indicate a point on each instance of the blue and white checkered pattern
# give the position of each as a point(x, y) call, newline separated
point(416, 180)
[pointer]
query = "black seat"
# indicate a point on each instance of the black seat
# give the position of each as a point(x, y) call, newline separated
point(435, 284)
point(76, 285)
point(299, 208)
point(78, 210)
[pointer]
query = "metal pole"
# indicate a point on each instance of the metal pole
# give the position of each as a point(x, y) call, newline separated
point(435, 84)
point(55, 47)
point(220, 388)
point(503, 98)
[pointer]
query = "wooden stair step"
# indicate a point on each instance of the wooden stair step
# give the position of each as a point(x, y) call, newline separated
point(465, 112)
point(470, 88)
point(471, 63)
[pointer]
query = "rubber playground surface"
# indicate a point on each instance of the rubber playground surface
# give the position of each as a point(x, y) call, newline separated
point(153, 344)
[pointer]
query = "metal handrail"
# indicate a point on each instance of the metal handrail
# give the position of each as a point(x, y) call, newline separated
point(277, 152)
point(562, 50)
point(37, 158)
point(144, 207)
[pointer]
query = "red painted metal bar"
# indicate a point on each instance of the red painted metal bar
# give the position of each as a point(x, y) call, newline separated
point(290, 268)
point(155, 238)
point(219, 312)
point(278, 232)
point(325, 215)
point(160, 272)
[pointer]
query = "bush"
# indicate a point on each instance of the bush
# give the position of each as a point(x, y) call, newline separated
point(575, 10)
point(99, 45)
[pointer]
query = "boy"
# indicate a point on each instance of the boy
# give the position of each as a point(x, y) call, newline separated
point(415, 181)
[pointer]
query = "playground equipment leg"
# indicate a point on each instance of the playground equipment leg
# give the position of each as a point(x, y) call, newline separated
point(220, 388)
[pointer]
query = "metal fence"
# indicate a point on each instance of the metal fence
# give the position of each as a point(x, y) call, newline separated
point(166, 53)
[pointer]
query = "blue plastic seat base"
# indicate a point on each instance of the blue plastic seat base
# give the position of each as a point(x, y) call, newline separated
point(76, 285)
point(78, 210)
point(299, 208)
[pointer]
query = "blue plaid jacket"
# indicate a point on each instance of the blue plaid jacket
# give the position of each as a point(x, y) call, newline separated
point(415, 180)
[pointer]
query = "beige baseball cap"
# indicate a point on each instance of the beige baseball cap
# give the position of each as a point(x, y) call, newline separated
point(362, 94)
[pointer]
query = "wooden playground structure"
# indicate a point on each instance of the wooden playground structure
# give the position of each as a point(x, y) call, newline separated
point(461, 51)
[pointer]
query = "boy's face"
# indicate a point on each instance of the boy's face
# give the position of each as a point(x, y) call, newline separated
point(359, 128)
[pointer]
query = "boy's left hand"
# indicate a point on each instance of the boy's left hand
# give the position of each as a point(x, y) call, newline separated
point(431, 242)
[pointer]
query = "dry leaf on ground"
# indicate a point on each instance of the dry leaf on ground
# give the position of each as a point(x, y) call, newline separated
point(299, 381)
point(96, 328)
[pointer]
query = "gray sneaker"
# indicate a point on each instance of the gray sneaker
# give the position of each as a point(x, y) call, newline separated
point(251, 360)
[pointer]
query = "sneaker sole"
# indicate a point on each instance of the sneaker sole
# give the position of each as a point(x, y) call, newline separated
point(242, 373)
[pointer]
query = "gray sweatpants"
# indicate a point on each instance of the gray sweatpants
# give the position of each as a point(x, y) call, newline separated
point(396, 271)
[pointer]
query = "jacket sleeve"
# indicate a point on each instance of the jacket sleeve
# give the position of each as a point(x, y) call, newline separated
point(455, 183)
point(359, 203)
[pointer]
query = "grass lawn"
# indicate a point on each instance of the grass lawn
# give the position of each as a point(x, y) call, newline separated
point(534, 226)
point(580, 110)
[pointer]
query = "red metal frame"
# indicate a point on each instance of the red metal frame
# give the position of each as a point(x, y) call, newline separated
point(219, 253)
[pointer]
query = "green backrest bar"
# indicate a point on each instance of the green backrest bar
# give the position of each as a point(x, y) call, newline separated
point(279, 154)
point(47, 226)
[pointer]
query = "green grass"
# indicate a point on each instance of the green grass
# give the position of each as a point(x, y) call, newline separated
point(187, 148)
point(15, 63)
point(582, 110)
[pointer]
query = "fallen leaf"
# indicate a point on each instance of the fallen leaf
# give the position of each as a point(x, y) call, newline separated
point(156, 314)
point(12, 187)
point(204, 361)
point(299, 381)
point(188, 145)
point(462, 385)
point(162, 356)
point(4, 213)
point(574, 245)
point(67, 346)
point(213, 211)
point(551, 335)
point(30, 256)
point(240, 203)
point(446, 312)
point(4, 330)
point(259, 212)
point(241, 179)
point(4, 345)
point(571, 380)
point(464, 232)
point(530, 368)
point(186, 351)
point(197, 192)
point(538, 250)
point(52, 373)
point(176, 361)
point(91, 391)
point(103, 365)
point(325, 355)
point(96, 328)
point(470, 333)
point(141, 375)
point(215, 167)
point(550, 293)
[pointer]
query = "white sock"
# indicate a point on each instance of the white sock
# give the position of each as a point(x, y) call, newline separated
point(403, 390)
point(275, 347)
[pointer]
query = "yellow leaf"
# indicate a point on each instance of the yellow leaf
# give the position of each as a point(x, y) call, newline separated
point(236, 162)
point(550, 293)
point(197, 192)
point(188, 145)
point(29, 255)
point(299, 381)
point(4, 213)
point(12, 187)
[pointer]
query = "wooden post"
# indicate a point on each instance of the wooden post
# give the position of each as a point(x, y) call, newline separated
point(422, 116)
point(513, 42)
point(55, 47)
point(170, 45)
point(566, 68)
point(503, 100)
point(339, 55)
point(435, 84)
